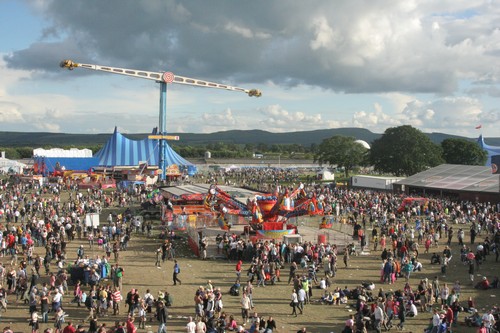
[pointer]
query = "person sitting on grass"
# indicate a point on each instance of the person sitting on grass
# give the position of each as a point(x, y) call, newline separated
point(484, 284)
point(435, 259)
point(232, 325)
point(328, 298)
point(474, 320)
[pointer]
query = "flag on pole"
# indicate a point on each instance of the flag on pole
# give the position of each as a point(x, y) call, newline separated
point(479, 126)
point(495, 164)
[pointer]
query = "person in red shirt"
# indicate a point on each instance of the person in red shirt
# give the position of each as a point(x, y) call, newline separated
point(130, 325)
point(403, 251)
point(238, 268)
point(449, 315)
point(69, 329)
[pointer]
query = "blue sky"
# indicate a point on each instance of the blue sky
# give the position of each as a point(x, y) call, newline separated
point(320, 64)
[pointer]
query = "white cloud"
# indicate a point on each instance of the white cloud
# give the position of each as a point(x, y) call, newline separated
point(45, 126)
point(398, 100)
point(9, 113)
point(428, 63)
point(323, 33)
point(224, 119)
point(277, 117)
point(244, 32)
point(376, 120)
point(460, 113)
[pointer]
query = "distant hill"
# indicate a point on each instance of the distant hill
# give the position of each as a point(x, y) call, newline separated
point(306, 138)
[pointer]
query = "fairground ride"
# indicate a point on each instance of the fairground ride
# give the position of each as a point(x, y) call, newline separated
point(270, 212)
point(163, 78)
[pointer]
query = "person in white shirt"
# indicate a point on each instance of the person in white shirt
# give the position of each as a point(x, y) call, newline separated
point(418, 266)
point(245, 307)
point(294, 302)
point(201, 327)
point(322, 284)
point(488, 320)
point(191, 326)
point(413, 309)
point(301, 296)
point(56, 300)
point(378, 314)
point(436, 320)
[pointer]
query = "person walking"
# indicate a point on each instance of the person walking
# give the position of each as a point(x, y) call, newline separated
point(293, 269)
point(201, 327)
point(69, 328)
point(116, 296)
point(401, 316)
point(245, 307)
point(238, 269)
point(130, 325)
point(489, 320)
point(161, 315)
point(346, 257)
point(116, 251)
point(177, 271)
point(59, 319)
point(378, 315)
point(294, 303)
point(117, 273)
point(158, 257)
point(472, 267)
point(302, 298)
point(44, 306)
point(191, 326)
point(34, 322)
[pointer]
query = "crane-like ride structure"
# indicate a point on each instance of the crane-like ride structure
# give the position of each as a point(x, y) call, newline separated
point(163, 78)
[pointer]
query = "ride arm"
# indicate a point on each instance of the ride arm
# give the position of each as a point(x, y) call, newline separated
point(298, 192)
point(310, 205)
point(222, 202)
point(167, 77)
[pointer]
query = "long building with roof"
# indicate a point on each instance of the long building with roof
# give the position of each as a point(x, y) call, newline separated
point(462, 182)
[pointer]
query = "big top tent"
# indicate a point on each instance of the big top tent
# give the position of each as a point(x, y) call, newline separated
point(122, 151)
point(491, 150)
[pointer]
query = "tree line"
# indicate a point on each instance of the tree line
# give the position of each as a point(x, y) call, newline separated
point(217, 150)
point(400, 151)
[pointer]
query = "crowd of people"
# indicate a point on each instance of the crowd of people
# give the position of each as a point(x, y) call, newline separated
point(36, 228)
point(400, 238)
point(37, 269)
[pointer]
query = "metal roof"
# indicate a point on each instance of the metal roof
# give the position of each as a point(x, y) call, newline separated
point(472, 178)
point(237, 193)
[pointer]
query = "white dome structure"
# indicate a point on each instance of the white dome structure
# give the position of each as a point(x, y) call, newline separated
point(363, 143)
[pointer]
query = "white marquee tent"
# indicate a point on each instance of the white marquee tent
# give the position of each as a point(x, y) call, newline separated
point(58, 152)
point(7, 165)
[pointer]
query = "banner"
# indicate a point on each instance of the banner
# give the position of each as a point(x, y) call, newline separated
point(495, 164)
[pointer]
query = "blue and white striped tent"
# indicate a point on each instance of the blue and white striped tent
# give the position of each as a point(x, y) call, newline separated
point(491, 150)
point(121, 151)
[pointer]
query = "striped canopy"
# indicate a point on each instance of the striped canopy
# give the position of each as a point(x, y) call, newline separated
point(491, 150)
point(121, 151)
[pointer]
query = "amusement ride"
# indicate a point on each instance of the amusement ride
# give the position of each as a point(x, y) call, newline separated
point(163, 78)
point(269, 213)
